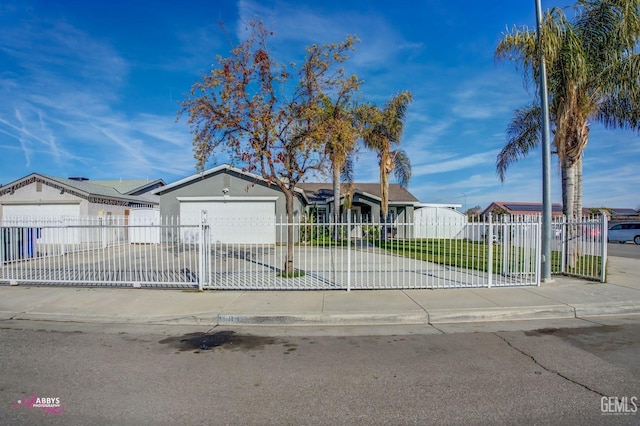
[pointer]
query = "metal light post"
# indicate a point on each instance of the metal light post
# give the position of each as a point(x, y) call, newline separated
point(465, 202)
point(545, 275)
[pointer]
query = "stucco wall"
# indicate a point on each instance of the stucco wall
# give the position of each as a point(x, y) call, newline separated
point(105, 209)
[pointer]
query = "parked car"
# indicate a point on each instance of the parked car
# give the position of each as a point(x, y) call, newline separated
point(623, 232)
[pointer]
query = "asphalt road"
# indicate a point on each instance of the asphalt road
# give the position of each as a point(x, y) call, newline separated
point(548, 376)
point(624, 250)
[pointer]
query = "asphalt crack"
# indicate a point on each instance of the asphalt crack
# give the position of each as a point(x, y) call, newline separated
point(557, 373)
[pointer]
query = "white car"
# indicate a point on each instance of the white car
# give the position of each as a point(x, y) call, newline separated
point(623, 232)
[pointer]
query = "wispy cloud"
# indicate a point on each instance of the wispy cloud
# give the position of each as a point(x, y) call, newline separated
point(456, 164)
point(61, 106)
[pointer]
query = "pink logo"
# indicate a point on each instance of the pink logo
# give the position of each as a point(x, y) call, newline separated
point(48, 405)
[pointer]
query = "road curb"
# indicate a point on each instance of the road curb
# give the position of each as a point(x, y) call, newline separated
point(430, 317)
point(594, 310)
point(438, 316)
point(324, 319)
point(209, 320)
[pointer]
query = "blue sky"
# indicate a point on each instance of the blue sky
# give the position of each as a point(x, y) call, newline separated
point(92, 89)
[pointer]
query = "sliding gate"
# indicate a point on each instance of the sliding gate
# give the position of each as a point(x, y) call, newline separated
point(327, 256)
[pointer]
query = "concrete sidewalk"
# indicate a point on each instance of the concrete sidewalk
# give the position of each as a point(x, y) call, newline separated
point(566, 298)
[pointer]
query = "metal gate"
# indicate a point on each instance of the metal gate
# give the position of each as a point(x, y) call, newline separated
point(380, 256)
point(320, 256)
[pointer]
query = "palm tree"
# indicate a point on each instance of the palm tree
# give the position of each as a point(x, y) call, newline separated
point(382, 134)
point(593, 66)
point(341, 132)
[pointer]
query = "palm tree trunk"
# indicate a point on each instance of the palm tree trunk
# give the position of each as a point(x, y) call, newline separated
point(384, 192)
point(384, 184)
point(577, 196)
point(568, 206)
point(336, 199)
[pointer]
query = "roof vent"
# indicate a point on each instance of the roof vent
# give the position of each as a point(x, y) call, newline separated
point(78, 178)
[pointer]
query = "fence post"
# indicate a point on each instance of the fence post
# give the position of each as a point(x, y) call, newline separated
point(604, 237)
point(538, 249)
point(348, 250)
point(505, 242)
point(201, 250)
point(490, 253)
point(564, 242)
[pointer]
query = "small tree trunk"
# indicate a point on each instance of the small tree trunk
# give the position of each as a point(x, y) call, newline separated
point(288, 263)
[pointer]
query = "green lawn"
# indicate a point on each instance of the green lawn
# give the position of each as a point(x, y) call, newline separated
point(475, 255)
point(464, 254)
point(459, 253)
point(586, 265)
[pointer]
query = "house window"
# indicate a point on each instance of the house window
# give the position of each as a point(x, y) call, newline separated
point(38, 186)
point(392, 214)
point(321, 215)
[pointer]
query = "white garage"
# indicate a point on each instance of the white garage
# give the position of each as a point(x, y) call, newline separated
point(232, 220)
point(41, 211)
point(48, 219)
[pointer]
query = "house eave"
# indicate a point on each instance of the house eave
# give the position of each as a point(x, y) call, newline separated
point(223, 167)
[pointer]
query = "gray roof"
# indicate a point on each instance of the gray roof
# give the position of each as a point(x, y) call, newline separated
point(320, 192)
point(624, 212)
point(96, 189)
point(127, 186)
point(223, 168)
point(92, 188)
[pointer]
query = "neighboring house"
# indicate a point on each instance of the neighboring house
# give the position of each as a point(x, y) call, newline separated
point(520, 209)
point(245, 202)
point(365, 202)
point(40, 196)
point(614, 214)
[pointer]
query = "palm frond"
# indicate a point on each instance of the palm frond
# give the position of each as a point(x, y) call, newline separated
point(401, 167)
point(523, 135)
point(347, 174)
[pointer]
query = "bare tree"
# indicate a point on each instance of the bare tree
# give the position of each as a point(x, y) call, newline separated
point(264, 115)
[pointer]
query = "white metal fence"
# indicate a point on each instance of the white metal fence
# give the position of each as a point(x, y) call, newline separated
point(579, 248)
point(124, 251)
point(114, 251)
point(119, 251)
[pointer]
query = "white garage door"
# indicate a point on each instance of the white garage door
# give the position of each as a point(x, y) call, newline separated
point(51, 217)
point(234, 221)
point(49, 211)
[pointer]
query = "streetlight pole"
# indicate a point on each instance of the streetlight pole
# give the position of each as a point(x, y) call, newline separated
point(545, 273)
point(465, 202)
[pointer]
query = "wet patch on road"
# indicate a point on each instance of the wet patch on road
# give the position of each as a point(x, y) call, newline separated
point(577, 331)
point(197, 342)
point(597, 340)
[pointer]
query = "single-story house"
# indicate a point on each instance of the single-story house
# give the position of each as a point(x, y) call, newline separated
point(40, 196)
point(519, 209)
point(365, 202)
point(615, 214)
point(514, 208)
point(232, 196)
